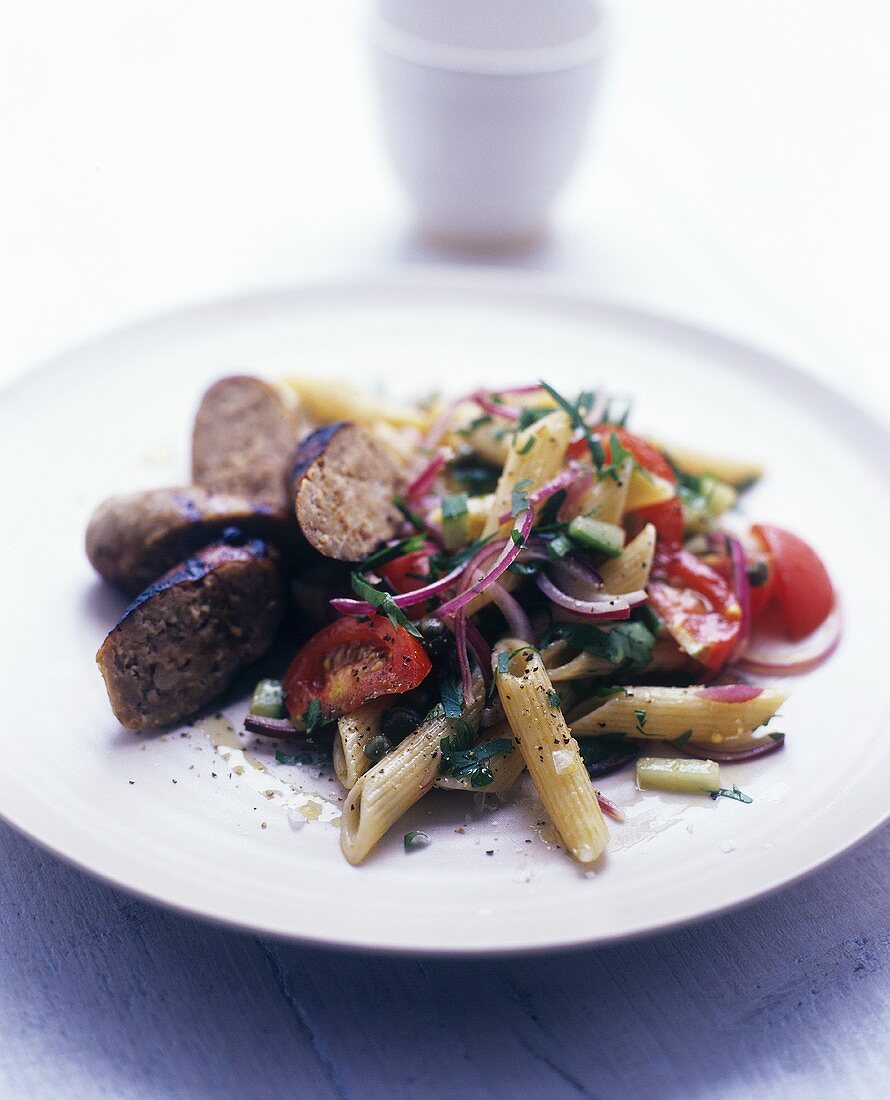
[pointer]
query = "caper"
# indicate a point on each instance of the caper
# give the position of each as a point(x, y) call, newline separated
point(436, 636)
point(758, 574)
point(377, 748)
point(398, 721)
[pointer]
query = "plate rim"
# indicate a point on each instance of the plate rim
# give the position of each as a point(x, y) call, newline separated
point(549, 295)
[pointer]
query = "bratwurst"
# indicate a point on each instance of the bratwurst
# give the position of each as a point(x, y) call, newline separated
point(343, 484)
point(181, 641)
point(135, 537)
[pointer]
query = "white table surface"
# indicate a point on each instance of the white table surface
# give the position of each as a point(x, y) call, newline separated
point(167, 152)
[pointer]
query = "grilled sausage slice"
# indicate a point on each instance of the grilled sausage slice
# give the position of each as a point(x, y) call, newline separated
point(181, 641)
point(243, 439)
point(343, 483)
point(135, 537)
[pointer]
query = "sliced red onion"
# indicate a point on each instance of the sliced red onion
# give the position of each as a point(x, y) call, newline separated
point(346, 606)
point(730, 693)
point(611, 763)
point(770, 652)
point(577, 577)
point(742, 587)
point(604, 607)
point(463, 658)
point(726, 756)
point(512, 610)
point(271, 727)
point(508, 555)
point(608, 807)
point(480, 647)
point(427, 476)
point(485, 402)
point(561, 481)
point(440, 426)
point(575, 492)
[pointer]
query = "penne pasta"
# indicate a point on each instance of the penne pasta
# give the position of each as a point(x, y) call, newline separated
point(535, 458)
point(680, 714)
point(389, 789)
point(562, 665)
point(326, 402)
point(630, 570)
point(354, 731)
point(550, 752)
point(505, 767)
point(605, 498)
point(738, 472)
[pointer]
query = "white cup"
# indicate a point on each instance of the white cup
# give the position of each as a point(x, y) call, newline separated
point(485, 107)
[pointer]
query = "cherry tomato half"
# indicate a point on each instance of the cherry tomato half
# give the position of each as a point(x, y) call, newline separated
point(407, 573)
point(350, 662)
point(696, 605)
point(803, 587)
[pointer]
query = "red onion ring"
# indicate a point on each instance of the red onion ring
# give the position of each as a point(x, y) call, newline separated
point(605, 608)
point(561, 481)
point(770, 653)
point(346, 606)
point(608, 807)
point(730, 693)
point(511, 609)
point(463, 658)
point(485, 402)
point(724, 756)
point(271, 727)
point(508, 555)
point(577, 577)
point(427, 476)
point(480, 647)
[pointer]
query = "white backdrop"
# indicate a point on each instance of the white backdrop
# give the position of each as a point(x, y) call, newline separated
point(167, 151)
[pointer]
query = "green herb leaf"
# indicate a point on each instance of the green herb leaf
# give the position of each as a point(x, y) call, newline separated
point(735, 793)
point(384, 602)
point(467, 763)
point(312, 716)
point(415, 840)
point(452, 696)
point(641, 717)
point(777, 737)
point(474, 425)
point(683, 738)
point(554, 700)
point(628, 643)
point(503, 663)
point(390, 553)
point(520, 495)
point(416, 521)
point(576, 415)
point(517, 538)
point(527, 417)
point(527, 446)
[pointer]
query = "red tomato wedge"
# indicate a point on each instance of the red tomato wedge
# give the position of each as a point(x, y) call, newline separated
point(350, 662)
point(803, 587)
point(697, 607)
point(407, 573)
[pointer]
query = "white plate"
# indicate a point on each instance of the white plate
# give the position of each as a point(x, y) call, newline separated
point(147, 813)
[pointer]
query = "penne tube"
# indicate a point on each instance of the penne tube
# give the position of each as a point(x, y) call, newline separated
point(629, 572)
point(605, 498)
point(354, 731)
point(383, 794)
point(738, 472)
point(561, 665)
point(550, 752)
point(684, 714)
point(327, 402)
point(646, 488)
point(505, 767)
point(535, 458)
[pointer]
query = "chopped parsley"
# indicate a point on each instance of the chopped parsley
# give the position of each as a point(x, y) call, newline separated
point(415, 840)
point(517, 538)
point(553, 699)
point(473, 763)
point(452, 697)
point(527, 446)
point(683, 738)
point(416, 521)
point(293, 757)
point(559, 546)
point(519, 498)
point(641, 717)
point(312, 715)
point(503, 663)
point(474, 425)
point(735, 793)
point(628, 643)
point(384, 603)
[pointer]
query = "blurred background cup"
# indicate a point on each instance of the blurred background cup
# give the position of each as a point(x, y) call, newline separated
point(485, 108)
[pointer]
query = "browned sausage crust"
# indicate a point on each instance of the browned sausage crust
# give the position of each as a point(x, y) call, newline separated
point(135, 537)
point(243, 439)
point(343, 484)
point(180, 642)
